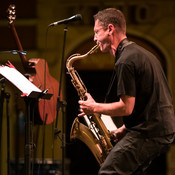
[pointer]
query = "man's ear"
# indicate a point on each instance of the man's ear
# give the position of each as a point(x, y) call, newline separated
point(110, 28)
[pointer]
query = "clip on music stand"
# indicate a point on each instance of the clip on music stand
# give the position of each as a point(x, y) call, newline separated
point(30, 93)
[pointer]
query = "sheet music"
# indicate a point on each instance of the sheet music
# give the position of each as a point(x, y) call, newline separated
point(19, 80)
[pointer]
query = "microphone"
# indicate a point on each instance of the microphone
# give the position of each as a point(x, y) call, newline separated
point(77, 17)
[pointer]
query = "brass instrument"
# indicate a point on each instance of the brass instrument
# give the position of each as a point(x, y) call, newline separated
point(95, 135)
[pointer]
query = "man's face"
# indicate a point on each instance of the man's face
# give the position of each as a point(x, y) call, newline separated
point(101, 37)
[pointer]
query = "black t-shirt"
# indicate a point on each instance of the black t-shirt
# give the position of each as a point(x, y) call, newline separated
point(138, 73)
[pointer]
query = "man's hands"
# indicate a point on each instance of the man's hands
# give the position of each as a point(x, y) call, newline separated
point(87, 107)
point(118, 133)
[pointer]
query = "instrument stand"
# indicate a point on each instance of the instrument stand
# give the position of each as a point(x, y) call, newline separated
point(33, 97)
point(2, 80)
point(62, 105)
point(7, 96)
point(4, 96)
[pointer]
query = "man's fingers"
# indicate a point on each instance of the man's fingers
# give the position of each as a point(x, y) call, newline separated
point(80, 102)
point(81, 114)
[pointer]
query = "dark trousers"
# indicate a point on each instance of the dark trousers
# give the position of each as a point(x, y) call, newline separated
point(133, 154)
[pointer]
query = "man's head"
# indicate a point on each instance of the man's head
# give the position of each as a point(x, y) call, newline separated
point(111, 16)
point(109, 29)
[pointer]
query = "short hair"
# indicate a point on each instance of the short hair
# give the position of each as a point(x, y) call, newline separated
point(111, 16)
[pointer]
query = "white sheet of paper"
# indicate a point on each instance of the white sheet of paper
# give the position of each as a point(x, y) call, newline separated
point(19, 80)
point(107, 120)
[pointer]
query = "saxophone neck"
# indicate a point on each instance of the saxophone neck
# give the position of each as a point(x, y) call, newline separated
point(75, 57)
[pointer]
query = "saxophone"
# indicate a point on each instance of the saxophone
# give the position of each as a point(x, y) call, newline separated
point(95, 135)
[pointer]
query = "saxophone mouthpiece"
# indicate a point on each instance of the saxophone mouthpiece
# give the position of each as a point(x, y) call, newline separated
point(94, 49)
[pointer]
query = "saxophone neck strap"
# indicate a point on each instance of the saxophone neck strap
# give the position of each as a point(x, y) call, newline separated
point(120, 48)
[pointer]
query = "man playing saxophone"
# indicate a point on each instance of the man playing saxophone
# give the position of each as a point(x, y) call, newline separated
point(142, 97)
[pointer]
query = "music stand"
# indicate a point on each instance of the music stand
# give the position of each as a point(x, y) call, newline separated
point(32, 97)
point(30, 93)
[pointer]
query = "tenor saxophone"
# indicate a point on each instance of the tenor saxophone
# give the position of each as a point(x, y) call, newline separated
point(95, 134)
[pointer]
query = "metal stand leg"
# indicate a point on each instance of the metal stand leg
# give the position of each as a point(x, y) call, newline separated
point(28, 145)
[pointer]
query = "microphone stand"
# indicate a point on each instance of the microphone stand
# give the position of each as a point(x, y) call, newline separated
point(62, 105)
